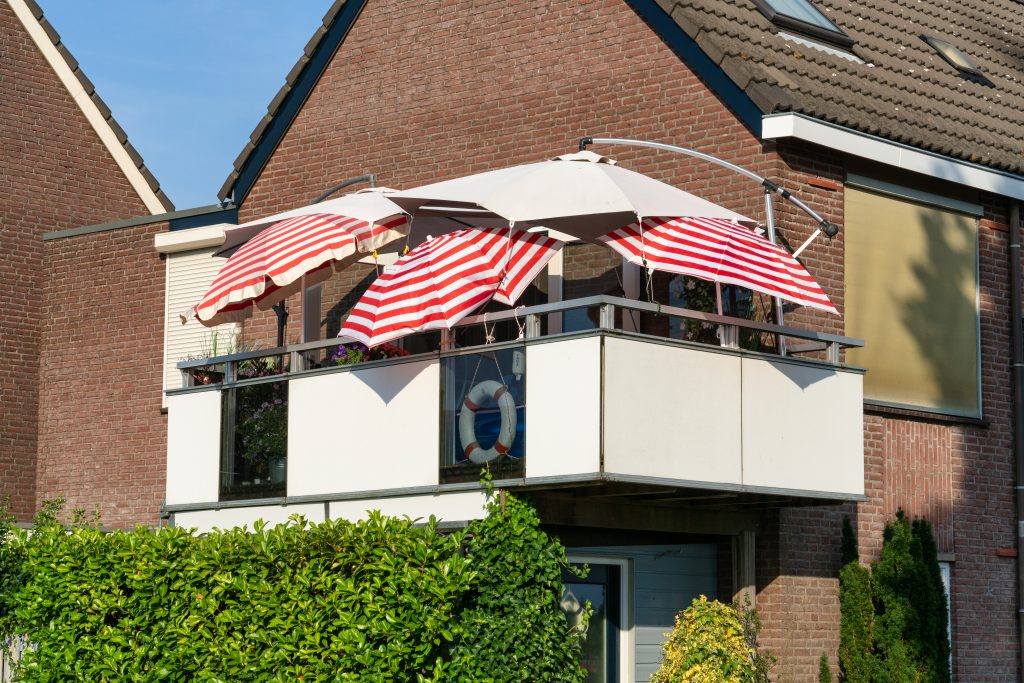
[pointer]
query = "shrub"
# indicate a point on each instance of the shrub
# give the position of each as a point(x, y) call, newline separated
point(857, 613)
point(928, 598)
point(335, 601)
point(12, 560)
point(379, 600)
point(855, 624)
point(896, 625)
point(707, 645)
point(763, 659)
point(824, 671)
point(512, 627)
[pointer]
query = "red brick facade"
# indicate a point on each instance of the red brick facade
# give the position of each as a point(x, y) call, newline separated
point(102, 438)
point(56, 174)
point(460, 89)
point(420, 92)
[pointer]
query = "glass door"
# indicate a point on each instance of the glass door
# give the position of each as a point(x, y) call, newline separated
point(601, 588)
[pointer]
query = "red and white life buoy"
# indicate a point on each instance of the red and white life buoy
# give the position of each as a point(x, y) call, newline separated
point(483, 395)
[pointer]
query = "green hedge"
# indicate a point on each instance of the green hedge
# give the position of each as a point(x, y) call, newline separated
point(380, 600)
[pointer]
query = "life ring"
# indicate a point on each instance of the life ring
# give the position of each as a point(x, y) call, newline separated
point(486, 393)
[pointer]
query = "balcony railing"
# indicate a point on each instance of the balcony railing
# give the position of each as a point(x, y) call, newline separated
point(610, 393)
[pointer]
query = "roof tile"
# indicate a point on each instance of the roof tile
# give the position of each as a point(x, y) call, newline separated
point(903, 91)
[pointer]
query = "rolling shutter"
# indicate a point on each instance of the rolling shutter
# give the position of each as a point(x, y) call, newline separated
point(189, 274)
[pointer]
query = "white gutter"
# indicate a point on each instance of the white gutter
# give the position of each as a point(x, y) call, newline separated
point(800, 127)
point(88, 107)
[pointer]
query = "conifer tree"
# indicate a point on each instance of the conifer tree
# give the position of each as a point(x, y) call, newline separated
point(856, 613)
point(929, 600)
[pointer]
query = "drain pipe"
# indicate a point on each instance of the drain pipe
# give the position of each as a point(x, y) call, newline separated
point(1017, 342)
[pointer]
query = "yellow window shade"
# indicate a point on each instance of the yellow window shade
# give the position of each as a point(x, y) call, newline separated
point(912, 295)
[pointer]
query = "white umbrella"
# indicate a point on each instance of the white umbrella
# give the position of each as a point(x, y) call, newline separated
point(372, 205)
point(582, 194)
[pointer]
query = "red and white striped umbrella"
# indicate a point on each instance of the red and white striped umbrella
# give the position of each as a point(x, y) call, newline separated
point(272, 265)
point(720, 251)
point(442, 280)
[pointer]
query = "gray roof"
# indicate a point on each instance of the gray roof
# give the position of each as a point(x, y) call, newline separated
point(899, 88)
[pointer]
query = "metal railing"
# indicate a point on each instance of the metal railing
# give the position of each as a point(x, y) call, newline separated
point(295, 358)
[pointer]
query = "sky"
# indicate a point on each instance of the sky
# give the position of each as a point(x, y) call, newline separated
point(187, 79)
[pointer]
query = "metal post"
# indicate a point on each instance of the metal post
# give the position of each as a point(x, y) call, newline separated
point(770, 213)
point(607, 317)
point(532, 326)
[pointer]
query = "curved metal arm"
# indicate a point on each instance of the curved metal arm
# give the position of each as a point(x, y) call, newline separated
point(829, 228)
point(368, 178)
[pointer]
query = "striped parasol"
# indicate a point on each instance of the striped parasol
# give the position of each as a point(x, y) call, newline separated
point(720, 251)
point(444, 279)
point(276, 262)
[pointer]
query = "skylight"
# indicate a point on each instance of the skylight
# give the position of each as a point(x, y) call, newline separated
point(952, 54)
point(803, 17)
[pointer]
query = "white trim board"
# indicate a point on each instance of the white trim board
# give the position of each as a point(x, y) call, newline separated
point(89, 109)
point(800, 127)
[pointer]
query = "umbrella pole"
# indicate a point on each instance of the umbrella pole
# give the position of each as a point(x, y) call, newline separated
point(770, 213)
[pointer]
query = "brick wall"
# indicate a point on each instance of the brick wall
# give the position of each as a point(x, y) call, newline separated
point(102, 437)
point(457, 88)
point(55, 174)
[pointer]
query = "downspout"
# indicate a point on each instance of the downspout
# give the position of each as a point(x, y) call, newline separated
point(1017, 342)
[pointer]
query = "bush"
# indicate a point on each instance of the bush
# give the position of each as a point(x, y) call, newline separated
point(512, 627)
point(707, 645)
point(824, 671)
point(855, 624)
point(379, 600)
point(911, 635)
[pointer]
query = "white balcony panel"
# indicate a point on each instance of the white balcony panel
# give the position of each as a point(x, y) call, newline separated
point(563, 408)
point(364, 430)
point(193, 447)
point(449, 507)
point(802, 427)
point(671, 412)
point(229, 518)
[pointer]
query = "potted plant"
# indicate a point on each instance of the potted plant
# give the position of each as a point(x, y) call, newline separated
point(351, 354)
point(264, 437)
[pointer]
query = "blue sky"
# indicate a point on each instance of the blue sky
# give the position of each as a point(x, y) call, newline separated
point(189, 79)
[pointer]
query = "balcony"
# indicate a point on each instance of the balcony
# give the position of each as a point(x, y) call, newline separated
point(605, 409)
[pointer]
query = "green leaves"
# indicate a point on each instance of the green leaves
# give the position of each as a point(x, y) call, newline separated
point(379, 600)
point(707, 644)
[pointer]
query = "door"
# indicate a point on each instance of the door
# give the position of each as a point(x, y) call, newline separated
point(602, 588)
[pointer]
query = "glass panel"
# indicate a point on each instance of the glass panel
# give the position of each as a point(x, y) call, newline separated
point(683, 291)
point(594, 655)
point(483, 404)
point(912, 295)
point(804, 11)
point(255, 446)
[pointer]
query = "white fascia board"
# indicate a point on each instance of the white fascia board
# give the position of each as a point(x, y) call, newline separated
point(800, 127)
point(88, 107)
point(193, 238)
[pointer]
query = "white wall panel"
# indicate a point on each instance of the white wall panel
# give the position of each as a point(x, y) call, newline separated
point(563, 408)
point(802, 427)
point(671, 412)
point(193, 447)
point(365, 430)
point(229, 518)
point(451, 507)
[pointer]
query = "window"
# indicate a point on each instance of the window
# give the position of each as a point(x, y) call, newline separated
point(957, 59)
point(189, 275)
point(912, 294)
point(803, 17)
point(483, 398)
